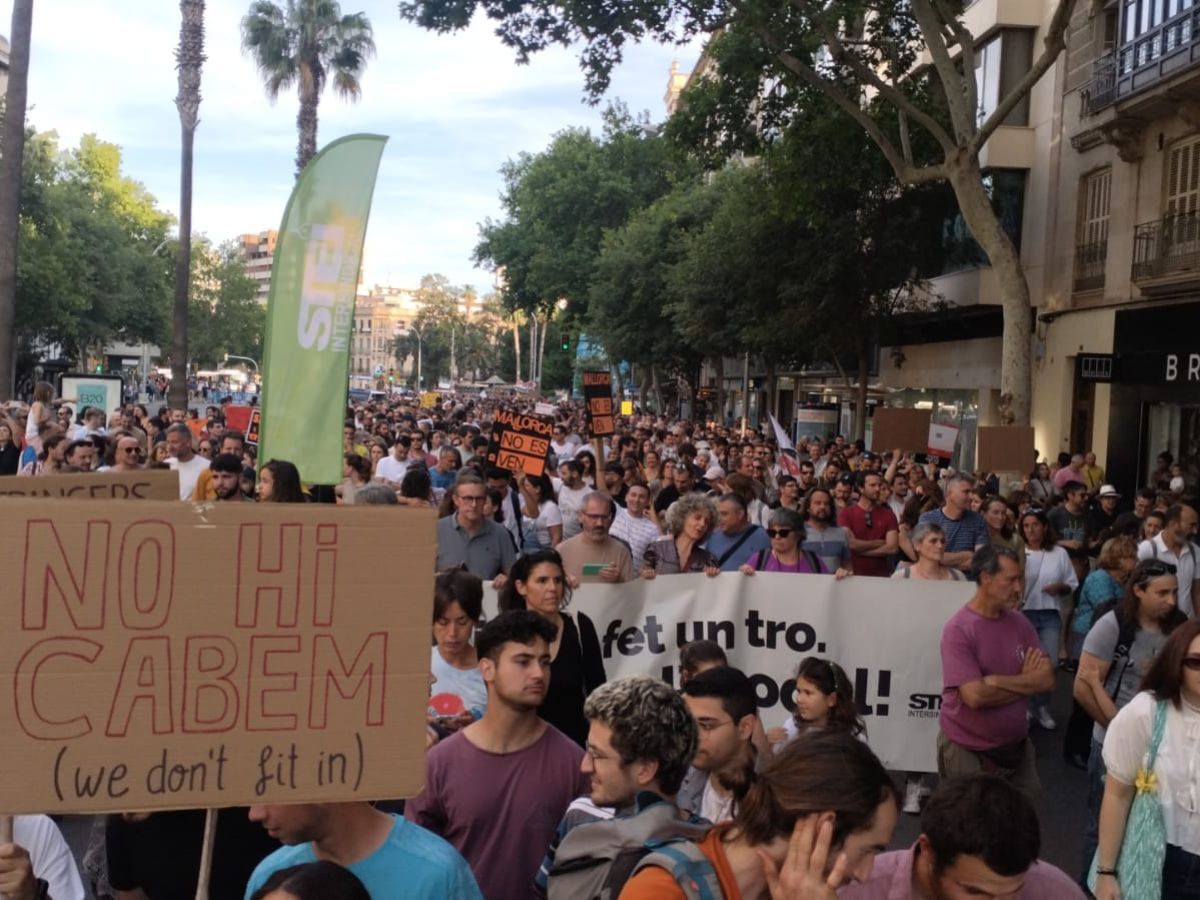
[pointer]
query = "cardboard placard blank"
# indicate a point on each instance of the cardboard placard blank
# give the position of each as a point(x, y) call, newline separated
point(144, 484)
point(598, 402)
point(892, 427)
point(179, 656)
point(520, 443)
point(1004, 448)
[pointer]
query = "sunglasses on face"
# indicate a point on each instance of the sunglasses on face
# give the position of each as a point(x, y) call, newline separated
point(1157, 569)
point(1192, 663)
point(778, 532)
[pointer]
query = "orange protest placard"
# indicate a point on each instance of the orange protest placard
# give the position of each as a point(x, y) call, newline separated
point(597, 396)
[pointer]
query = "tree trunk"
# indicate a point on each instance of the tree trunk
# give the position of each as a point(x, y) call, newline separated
point(772, 388)
point(656, 389)
point(306, 119)
point(533, 349)
point(517, 350)
point(189, 60)
point(860, 394)
point(1015, 378)
point(10, 187)
point(545, 326)
point(719, 399)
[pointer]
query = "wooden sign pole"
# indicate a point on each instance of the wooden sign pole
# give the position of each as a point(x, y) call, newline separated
point(206, 854)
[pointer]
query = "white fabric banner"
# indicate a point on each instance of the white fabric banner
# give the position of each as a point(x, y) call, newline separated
point(885, 633)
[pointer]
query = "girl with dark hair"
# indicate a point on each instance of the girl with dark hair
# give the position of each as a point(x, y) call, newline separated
point(320, 880)
point(824, 700)
point(540, 510)
point(588, 461)
point(998, 517)
point(537, 582)
point(279, 482)
point(826, 793)
point(356, 472)
point(1049, 580)
point(416, 489)
point(458, 696)
point(10, 453)
point(1150, 747)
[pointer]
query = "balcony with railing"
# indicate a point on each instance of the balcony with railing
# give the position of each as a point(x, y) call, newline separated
point(1153, 56)
point(1166, 253)
point(1090, 260)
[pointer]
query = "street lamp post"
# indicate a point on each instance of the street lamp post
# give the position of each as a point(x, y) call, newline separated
point(229, 356)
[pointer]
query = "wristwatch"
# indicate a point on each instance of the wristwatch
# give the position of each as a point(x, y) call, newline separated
point(1105, 870)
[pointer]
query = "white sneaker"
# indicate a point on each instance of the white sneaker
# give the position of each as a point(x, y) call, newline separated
point(1045, 719)
point(913, 796)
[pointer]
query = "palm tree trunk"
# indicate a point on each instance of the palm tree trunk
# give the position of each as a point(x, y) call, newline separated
point(189, 59)
point(306, 119)
point(10, 186)
point(517, 350)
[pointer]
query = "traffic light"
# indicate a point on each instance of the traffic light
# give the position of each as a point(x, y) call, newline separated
point(99, 368)
point(566, 343)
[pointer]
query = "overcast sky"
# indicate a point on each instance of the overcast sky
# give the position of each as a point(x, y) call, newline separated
point(455, 108)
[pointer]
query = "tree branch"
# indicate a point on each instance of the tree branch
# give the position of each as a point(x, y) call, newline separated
point(890, 93)
point(966, 44)
point(905, 172)
point(905, 143)
point(932, 30)
point(1055, 43)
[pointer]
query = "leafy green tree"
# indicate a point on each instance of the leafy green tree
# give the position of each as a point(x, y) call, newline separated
point(559, 203)
point(846, 49)
point(225, 316)
point(307, 43)
point(88, 269)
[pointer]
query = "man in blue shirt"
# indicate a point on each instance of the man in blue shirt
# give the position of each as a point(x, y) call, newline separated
point(393, 858)
point(965, 531)
point(735, 538)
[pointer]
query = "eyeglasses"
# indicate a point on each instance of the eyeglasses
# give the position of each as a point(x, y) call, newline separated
point(778, 532)
point(1192, 663)
point(710, 725)
point(129, 449)
point(472, 498)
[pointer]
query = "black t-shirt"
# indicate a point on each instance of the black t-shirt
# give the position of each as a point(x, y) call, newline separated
point(161, 855)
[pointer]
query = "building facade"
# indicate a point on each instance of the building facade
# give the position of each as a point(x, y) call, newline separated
point(1117, 335)
point(258, 250)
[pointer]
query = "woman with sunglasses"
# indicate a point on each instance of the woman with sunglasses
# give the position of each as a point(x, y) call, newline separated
point(1049, 580)
point(785, 529)
point(1127, 635)
point(1168, 705)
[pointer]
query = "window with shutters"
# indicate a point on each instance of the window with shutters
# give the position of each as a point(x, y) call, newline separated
point(1091, 249)
point(1171, 246)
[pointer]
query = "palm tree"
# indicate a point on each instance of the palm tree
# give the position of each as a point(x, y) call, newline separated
point(189, 60)
point(10, 184)
point(305, 44)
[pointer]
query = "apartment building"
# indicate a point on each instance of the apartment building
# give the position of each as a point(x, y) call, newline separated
point(1119, 360)
point(381, 314)
point(258, 250)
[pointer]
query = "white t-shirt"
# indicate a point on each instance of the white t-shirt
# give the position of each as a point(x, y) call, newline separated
point(637, 533)
point(50, 855)
point(570, 502)
point(713, 806)
point(1185, 566)
point(548, 515)
point(455, 690)
point(563, 451)
point(1044, 567)
point(189, 473)
point(1177, 765)
point(391, 469)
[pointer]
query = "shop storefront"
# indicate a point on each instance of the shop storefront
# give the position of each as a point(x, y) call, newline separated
point(1155, 376)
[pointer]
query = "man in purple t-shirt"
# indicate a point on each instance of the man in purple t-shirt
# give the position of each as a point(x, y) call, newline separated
point(992, 662)
point(497, 789)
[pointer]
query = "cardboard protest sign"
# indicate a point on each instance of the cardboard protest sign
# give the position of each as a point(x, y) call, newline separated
point(627, 407)
point(81, 389)
point(429, 400)
point(252, 427)
point(907, 429)
point(597, 396)
point(145, 484)
point(520, 443)
point(1004, 448)
point(237, 417)
point(766, 623)
point(165, 655)
point(942, 439)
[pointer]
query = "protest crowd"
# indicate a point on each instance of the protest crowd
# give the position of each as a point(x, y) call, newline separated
point(545, 777)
